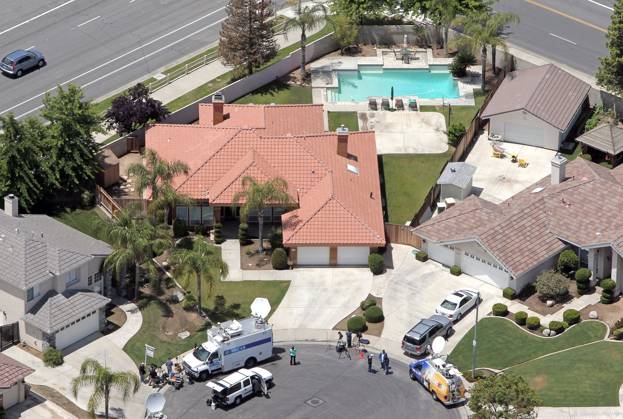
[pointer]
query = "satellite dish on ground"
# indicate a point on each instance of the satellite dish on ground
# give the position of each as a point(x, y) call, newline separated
point(438, 344)
point(155, 403)
point(260, 307)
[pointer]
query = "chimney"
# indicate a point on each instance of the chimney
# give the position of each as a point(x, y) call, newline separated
point(342, 141)
point(559, 164)
point(218, 104)
point(11, 205)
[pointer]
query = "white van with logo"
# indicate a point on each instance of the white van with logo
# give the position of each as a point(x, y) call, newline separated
point(236, 387)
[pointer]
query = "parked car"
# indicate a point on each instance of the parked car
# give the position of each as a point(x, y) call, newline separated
point(20, 61)
point(417, 340)
point(455, 305)
point(441, 379)
point(236, 387)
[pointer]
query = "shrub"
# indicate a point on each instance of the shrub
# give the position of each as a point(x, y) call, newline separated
point(356, 324)
point(179, 228)
point(617, 334)
point(607, 295)
point(550, 284)
point(618, 324)
point(586, 156)
point(367, 303)
point(276, 238)
point(463, 59)
point(455, 270)
point(608, 284)
point(376, 263)
point(374, 314)
point(499, 309)
point(509, 293)
point(189, 302)
point(568, 262)
point(455, 133)
point(279, 259)
point(52, 357)
point(520, 318)
point(571, 316)
point(556, 326)
point(565, 325)
point(598, 116)
point(218, 233)
point(243, 234)
point(583, 275)
point(421, 256)
point(533, 323)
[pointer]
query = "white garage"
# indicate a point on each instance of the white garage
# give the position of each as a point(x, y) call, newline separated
point(526, 134)
point(484, 270)
point(313, 255)
point(440, 253)
point(76, 330)
point(352, 255)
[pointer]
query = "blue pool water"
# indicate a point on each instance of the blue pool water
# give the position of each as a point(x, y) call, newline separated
point(357, 86)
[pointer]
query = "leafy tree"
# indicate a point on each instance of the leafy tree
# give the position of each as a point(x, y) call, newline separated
point(345, 31)
point(102, 380)
point(70, 149)
point(443, 13)
point(259, 196)
point(156, 174)
point(503, 396)
point(463, 59)
point(482, 29)
point(610, 72)
point(359, 10)
point(306, 19)
point(599, 116)
point(204, 261)
point(133, 109)
point(247, 38)
point(550, 284)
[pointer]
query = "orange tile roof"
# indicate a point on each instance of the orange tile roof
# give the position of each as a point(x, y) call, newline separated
point(12, 371)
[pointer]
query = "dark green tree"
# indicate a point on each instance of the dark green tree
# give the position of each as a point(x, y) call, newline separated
point(359, 10)
point(610, 72)
point(503, 396)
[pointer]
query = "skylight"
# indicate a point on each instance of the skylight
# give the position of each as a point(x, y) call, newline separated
point(537, 189)
point(352, 169)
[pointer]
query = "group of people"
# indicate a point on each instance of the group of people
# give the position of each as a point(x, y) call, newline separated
point(156, 377)
point(383, 361)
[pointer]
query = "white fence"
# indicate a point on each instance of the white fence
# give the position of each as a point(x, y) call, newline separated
point(183, 71)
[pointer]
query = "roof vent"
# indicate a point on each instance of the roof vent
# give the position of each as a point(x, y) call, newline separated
point(352, 169)
point(537, 189)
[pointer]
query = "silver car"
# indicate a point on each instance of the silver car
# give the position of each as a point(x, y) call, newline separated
point(417, 341)
point(20, 61)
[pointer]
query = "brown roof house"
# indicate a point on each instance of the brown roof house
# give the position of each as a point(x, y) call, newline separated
point(604, 142)
point(12, 385)
point(536, 106)
point(578, 207)
point(333, 180)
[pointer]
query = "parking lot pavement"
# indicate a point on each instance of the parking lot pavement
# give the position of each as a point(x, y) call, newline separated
point(498, 179)
point(321, 386)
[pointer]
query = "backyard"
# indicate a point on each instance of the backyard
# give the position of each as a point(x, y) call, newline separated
point(279, 92)
point(83, 220)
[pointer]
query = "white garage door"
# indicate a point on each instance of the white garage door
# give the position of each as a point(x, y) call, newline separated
point(77, 331)
point(524, 134)
point(441, 254)
point(313, 256)
point(483, 271)
point(352, 255)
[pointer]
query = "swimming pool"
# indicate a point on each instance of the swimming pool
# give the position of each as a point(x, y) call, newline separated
point(358, 85)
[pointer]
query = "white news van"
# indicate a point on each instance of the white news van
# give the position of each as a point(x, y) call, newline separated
point(231, 345)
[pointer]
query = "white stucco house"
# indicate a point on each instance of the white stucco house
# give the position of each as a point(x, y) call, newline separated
point(536, 106)
point(13, 389)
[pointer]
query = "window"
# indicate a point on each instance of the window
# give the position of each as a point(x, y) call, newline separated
point(90, 280)
point(181, 213)
point(32, 293)
point(72, 278)
point(97, 277)
point(207, 215)
point(246, 382)
point(195, 215)
point(236, 387)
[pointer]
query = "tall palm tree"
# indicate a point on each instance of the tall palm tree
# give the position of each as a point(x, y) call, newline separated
point(443, 13)
point(484, 28)
point(168, 197)
point(260, 196)
point(103, 380)
point(156, 173)
point(204, 261)
point(305, 19)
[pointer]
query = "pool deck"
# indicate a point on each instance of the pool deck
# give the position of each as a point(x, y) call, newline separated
point(324, 76)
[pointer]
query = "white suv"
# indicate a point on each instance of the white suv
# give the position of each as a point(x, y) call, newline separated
point(236, 387)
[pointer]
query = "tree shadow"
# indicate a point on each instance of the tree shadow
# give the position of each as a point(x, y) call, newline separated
point(221, 311)
point(146, 299)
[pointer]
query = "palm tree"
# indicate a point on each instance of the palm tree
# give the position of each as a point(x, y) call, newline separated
point(168, 197)
point(444, 13)
point(305, 19)
point(204, 261)
point(156, 173)
point(482, 29)
point(259, 196)
point(103, 380)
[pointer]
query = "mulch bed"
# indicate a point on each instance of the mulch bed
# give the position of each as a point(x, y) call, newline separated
point(608, 313)
point(252, 260)
point(374, 329)
point(176, 319)
point(530, 298)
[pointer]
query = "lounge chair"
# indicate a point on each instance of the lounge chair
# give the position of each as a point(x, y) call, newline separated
point(372, 105)
point(413, 105)
point(400, 105)
point(385, 104)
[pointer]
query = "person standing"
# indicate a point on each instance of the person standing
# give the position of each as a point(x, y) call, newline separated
point(386, 366)
point(382, 358)
point(142, 371)
point(370, 357)
point(169, 365)
point(292, 355)
point(349, 338)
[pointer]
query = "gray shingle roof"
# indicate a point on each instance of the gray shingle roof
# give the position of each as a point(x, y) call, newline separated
point(458, 174)
point(547, 92)
point(606, 137)
point(55, 310)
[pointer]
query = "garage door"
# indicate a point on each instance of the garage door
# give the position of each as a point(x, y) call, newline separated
point(352, 255)
point(524, 134)
point(483, 271)
point(441, 254)
point(313, 256)
point(79, 330)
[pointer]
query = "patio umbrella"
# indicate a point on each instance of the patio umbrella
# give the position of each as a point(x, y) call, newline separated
point(392, 93)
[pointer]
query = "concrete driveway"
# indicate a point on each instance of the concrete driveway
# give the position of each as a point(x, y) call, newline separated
point(319, 298)
point(498, 179)
point(406, 132)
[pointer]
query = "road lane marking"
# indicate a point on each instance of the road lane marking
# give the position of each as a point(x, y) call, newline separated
point(114, 59)
point(36, 17)
point(563, 14)
point(561, 38)
point(599, 4)
point(122, 67)
point(88, 21)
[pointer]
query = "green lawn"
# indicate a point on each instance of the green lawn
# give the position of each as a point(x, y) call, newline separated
point(278, 92)
point(86, 221)
point(501, 344)
point(408, 178)
point(348, 119)
point(459, 114)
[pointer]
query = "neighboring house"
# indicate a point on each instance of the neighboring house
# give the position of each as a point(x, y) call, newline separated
point(51, 279)
point(335, 216)
point(605, 142)
point(537, 106)
point(509, 244)
point(13, 389)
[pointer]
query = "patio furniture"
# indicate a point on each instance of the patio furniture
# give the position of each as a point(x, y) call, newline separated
point(523, 163)
point(498, 154)
point(498, 148)
point(413, 105)
point(514, 158)
point(400, 105)
point(385, 104)
point(372, 105)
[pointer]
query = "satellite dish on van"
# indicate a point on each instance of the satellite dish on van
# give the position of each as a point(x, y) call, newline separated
point(438, 344)
point(155, 403)
point(260, 307)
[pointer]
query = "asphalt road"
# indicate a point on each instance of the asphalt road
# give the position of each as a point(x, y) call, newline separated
point(571, 32)
point(343, 387)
